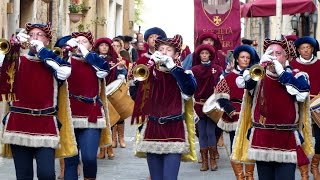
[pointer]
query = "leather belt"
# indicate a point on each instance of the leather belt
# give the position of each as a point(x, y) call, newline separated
point(87, 99)
point(35, 112)
point(167, 119)
point(236, 101)
point(276, 126)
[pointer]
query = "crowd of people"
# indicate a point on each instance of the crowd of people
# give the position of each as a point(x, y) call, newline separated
point(65, 103)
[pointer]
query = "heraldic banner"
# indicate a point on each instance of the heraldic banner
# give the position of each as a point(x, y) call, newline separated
point(221, 17)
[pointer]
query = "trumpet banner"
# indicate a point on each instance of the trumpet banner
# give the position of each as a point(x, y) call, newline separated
point(105, 136)
point(241, 143)
point(305, 127)
point(189, 115)
point(68, 144)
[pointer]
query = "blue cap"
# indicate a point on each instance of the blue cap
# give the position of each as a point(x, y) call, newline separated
point(155, 30)
point(62, 41)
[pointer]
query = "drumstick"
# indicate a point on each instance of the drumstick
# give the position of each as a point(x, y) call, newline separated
point(119, 56)
point(115, 65)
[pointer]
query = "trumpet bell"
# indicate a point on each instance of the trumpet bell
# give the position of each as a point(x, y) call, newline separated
point(140, 72)
point(4, 46)
point(257, 72)
point(57, 51)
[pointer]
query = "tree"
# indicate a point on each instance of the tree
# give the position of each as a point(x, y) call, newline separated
point(137, 13)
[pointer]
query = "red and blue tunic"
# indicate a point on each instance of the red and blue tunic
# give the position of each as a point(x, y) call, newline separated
point(275, 115)
point(312, 68)
point(166, 103)
point(31, 120)
point(84, 89)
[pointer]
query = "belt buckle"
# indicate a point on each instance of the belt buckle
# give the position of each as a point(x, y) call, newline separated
point(160, 120)
point(35, 112)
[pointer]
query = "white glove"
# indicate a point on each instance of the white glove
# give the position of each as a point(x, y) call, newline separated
point(121, 76)
point(278, 67)
point(168, 61)
point(2, 56)
point(22, 36)
point(63, 72)
point(37, 44)
point(240, 82)
point(84, 51)
point(73, 42)
point(267, 57)
point(246, 75)
point(156, 56)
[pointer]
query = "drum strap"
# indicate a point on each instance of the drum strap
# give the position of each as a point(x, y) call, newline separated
point(276, 126)
point(200, 101)
point(87, 99)
point(167, 119)
point(51, 111)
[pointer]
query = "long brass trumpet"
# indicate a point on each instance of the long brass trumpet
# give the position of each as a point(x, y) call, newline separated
point(4, 46)
point(140, 72)
point(257, 72)
point(58, 51)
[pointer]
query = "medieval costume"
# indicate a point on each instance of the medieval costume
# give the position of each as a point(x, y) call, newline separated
point(116, 72)
point(87, 99)
point(149, 36)
point(131, 50)
point(188, 61)
point(39, 109)
point(64, 51)
point(275, 109)
point(229, 97)
point(207, 75)
point(123, 55)
point(307, 61)
point(164, 137)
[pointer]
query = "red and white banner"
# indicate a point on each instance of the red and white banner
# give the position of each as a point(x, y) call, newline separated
point(221, 17)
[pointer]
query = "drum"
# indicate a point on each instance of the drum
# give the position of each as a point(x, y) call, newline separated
point(117, 94)
point(212, 109)
point(114, 116)
point(315, 109)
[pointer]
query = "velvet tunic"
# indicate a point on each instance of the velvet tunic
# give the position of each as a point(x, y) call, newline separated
point(84, 82)
point(273, 108)
point(36, 89)
point(312, 69)
point(165, 98)
point(206, 80)
point(228, 89)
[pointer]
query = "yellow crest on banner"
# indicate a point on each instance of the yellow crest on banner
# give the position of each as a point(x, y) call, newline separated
point(216, 20)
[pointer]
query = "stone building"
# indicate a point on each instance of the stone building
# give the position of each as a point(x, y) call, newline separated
point(103, 17)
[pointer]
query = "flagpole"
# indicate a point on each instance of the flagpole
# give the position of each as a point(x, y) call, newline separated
point(278, 18)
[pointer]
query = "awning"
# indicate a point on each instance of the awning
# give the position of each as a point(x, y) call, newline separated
point(264, 8)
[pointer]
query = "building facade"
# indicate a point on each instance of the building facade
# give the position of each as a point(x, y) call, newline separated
point(102, 17)
point(259, 28)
